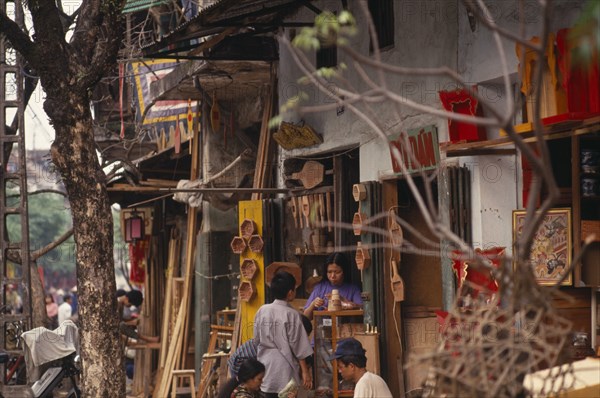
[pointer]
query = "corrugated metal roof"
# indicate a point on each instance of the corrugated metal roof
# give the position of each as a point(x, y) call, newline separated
point(139, 5)
point(226, 13)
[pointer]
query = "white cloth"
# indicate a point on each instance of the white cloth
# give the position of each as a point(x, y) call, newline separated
point(193, 199)
point(64, 312)
point(371, 386)
point(44, 345)
point(282, 341)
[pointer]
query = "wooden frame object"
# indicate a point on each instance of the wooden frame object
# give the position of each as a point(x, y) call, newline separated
point(552, 245)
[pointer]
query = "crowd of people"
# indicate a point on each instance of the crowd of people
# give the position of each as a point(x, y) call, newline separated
point(277, 362)
point(66, 310)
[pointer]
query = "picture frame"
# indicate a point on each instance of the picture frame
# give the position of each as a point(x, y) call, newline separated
point(552, 245)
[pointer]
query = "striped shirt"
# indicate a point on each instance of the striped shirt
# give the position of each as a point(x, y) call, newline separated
point(243, 352)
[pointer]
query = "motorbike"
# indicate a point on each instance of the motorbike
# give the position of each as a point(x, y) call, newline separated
point(56, 351)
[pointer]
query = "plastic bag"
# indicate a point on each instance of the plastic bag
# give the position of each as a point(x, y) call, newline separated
point(291, 387)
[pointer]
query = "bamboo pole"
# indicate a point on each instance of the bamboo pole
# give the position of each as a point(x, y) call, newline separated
point(166, 320)
point(175, 346)
point(262, 158)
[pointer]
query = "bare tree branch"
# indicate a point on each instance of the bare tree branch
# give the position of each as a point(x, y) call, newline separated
point(18, 39)
point(61, 239)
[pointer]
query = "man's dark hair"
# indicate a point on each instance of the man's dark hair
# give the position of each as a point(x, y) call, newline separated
point(135, 297)
point(121, 292)
point(360, 361)
point(67, 297)
point(281, 284)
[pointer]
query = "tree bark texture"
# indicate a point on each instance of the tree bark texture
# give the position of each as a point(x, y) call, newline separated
point(39, 316)
point(73, 152)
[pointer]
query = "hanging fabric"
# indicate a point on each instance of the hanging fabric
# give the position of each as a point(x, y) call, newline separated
point(137, 259)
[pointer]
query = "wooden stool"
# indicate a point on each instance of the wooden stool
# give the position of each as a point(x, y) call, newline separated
point(190, 374)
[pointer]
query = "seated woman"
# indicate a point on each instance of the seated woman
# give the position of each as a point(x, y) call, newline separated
point(336, 267)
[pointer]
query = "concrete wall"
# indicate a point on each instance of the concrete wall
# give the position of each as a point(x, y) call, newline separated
point(497, 184)
point(425, 36)
point(494, 195)
point(477, 55)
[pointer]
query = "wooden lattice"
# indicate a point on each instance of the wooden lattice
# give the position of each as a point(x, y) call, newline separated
point(489, 346)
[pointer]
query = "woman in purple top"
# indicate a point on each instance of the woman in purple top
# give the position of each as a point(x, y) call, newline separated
point(336, 268)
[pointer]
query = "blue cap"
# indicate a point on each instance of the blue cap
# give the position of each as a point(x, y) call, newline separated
point(347, 347)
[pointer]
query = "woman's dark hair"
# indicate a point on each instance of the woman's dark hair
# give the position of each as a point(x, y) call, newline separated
point(51, 296)
point(281, 284)
point(339, 259)
point(249, 369)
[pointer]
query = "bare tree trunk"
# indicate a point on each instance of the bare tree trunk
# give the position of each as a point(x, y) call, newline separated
point(38, 303)
point(74, 154)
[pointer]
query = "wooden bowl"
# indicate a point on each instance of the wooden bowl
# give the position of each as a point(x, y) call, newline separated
point(238, 245)
point(247, 228)
point(359, 192)
point(358, 223)
point(362, 257)
point(256, 243)
point(397, 236)
point(248, 268)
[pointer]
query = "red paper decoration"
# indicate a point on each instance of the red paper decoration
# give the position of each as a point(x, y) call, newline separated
point(479, 279)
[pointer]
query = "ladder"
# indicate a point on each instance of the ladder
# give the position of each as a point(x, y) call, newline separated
point(15, 293)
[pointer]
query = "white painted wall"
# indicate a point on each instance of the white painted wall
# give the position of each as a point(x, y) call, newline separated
point(425, 37)
point(477, 57)
point(430, 34)
point(494, 195)
point(497, 185)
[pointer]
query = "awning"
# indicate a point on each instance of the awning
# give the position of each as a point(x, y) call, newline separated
point(140, 5)
point(261, 15)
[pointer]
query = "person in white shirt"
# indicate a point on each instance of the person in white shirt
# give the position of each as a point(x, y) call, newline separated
point(351, 363)
point(65, 310)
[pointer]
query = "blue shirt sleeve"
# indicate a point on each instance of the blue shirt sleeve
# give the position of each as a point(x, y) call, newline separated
point(312, 297)
point(356, 295)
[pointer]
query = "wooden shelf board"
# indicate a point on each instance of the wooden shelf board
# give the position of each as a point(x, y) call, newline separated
point(313, 254)
point(339, 313)
point(555, 131)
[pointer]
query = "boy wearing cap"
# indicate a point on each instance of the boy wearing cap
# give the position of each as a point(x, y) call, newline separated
point(351, 363)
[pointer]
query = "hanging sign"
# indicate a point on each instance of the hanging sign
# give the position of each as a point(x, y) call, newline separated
point(422, 143)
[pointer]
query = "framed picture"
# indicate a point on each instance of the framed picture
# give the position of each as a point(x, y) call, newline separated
point(551, 249)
